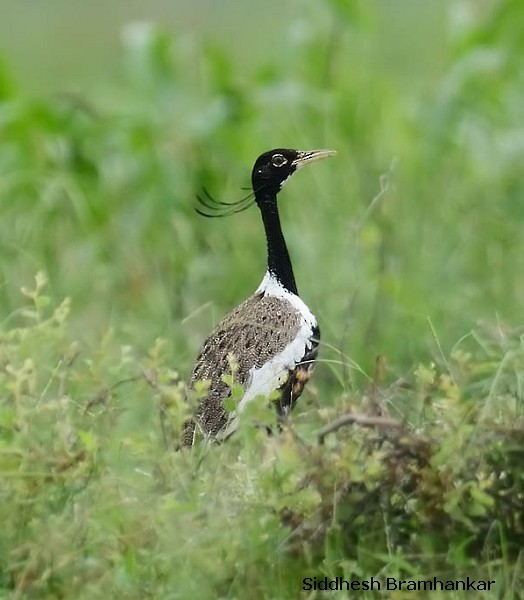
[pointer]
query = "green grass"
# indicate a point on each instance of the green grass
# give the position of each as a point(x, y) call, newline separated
point(407, 246)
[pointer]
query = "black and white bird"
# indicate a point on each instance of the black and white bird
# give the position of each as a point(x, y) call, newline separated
point(273, 336)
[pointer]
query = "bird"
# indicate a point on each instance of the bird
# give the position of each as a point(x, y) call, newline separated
point(270, 341)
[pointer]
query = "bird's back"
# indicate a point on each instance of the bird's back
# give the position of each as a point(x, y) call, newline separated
point(274, 340)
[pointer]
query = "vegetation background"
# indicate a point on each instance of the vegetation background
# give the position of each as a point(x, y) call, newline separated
point(408, 247)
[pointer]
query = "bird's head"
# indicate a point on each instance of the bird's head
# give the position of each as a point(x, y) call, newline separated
point(272, 169)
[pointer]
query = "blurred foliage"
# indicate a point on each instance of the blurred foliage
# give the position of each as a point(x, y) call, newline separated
point(95, 502)
point(407, 246)
point(98, 189)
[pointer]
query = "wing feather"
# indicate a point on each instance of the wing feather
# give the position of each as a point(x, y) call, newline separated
point(254, 333)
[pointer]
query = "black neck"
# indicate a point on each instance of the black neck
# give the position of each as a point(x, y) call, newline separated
point(278, 261)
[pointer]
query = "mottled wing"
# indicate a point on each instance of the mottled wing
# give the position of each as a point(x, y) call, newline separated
point(256, 332)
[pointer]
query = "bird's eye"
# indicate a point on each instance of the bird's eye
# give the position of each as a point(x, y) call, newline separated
point(278, 160)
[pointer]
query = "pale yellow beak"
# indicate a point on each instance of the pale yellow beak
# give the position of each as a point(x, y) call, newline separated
point(309, 156)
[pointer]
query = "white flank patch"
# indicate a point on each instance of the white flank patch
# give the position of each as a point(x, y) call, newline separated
point(266, 379)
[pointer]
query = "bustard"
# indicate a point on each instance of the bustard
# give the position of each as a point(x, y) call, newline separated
point(273, 336)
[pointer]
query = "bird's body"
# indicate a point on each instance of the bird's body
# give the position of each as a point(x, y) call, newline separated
point(274, 339)
point(272, 336)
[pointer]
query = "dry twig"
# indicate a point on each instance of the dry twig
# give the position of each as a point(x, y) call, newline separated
point(362, 420)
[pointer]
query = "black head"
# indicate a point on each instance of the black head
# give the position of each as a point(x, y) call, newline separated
point(272, 169)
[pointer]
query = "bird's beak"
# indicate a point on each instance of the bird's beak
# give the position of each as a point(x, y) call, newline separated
point(309, 156)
